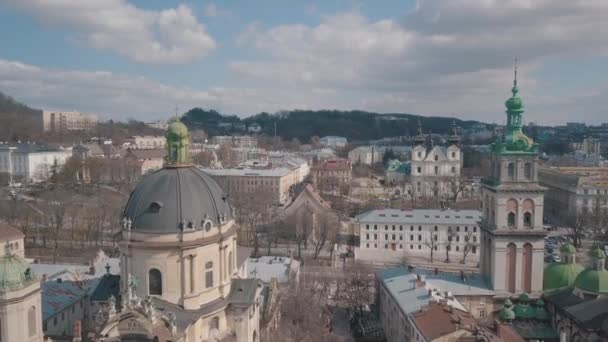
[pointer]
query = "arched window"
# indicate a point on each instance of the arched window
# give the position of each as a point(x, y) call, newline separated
point(453, 169)
point(529, 213)
point(511, 171)
point(510, 267)
point(214, 323)
point(436, 157)
point(528, 171)
point(436, 170)
point(255, 336)
point(31, 321)
point(527, 268)
point(512, 208)
point(511, 219)
point(230, 263)
point(209, 274)
point(527, 220)
point(155, 282)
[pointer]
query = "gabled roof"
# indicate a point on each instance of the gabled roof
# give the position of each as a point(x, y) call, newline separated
point(437, 320)
point(148, 154)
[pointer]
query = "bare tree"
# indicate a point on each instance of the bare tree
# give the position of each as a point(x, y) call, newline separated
point(432, 243)
point(468, 247)
point(325, 230)
point(357, 291)
point(447, 243)
point(577, 226)
point(303, 325)
point(456, 186)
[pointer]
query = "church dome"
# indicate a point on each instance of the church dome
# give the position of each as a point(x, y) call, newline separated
point(567, 249)
point(15, 272)
point(172, 199)
point(594, 279)
point(559, 275)
point(514, 103)
point(177, 128)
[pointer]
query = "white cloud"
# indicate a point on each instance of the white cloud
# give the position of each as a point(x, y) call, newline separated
point(121, 96)
point(168, 36)
point(445, 56)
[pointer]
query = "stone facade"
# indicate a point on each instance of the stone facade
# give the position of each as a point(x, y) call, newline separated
point(512, 239)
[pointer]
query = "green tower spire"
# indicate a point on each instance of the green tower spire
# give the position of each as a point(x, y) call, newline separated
point(515, 141)
point(178, 145)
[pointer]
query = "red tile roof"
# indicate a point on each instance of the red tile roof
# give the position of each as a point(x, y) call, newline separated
point(334, 164)
point(439, 319)
point(9, 233)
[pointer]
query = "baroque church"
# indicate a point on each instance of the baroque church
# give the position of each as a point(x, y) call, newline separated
point(434, 168)
point(178, 260)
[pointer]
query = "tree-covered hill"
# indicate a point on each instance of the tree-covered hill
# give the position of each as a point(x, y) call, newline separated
point(303, 124)
point(18, 121)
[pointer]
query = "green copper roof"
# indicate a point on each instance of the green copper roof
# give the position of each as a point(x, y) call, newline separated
point(568, 249)
point(559, 275)
point(540, 313)
point(506, 314)
point(597, 253)
point(524, 311)
point(395, 165)
point(178, 144)
point(14, 273)
point(591, 280)
point(508, 303)
point(523, 299)
point(515, 141)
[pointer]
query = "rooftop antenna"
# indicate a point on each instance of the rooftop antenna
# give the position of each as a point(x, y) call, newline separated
point(176, 115)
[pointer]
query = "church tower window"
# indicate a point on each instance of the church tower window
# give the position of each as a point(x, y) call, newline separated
point(528, 171)
point(155, 282)
point(511, 219)
point(511, 171)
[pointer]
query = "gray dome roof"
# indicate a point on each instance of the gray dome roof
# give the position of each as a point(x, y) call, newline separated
point(172, 198)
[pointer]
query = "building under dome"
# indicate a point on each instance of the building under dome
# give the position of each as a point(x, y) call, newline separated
point(579, 311)
point(20, 300)
point(562, 274)
point(178, 257)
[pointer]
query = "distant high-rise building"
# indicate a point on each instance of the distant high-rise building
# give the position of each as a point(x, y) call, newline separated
point(58, 121)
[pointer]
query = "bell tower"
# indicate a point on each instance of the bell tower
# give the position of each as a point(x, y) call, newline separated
point(512, 235)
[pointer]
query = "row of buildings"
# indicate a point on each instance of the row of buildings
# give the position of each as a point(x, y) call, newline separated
point(512, 291)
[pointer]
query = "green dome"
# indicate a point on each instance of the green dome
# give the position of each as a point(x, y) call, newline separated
point(506, 314)
point(568, 249)
point(514, 104)
point(597, 253)
point(523, 299)
point(14, 273)
point(177, 128)
point(560, 275)
point(523, 310)
point(508, 303)
point(591, 280)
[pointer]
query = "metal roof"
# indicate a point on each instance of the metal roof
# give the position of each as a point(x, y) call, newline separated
point(401, 283)
point(172, 198)
point(421, 216)
point(267, 267)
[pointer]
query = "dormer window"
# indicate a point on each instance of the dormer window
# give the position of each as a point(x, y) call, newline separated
point(155, 206)
point(436, 157)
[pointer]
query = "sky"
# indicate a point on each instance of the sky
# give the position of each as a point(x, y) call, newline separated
point(145, 59)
